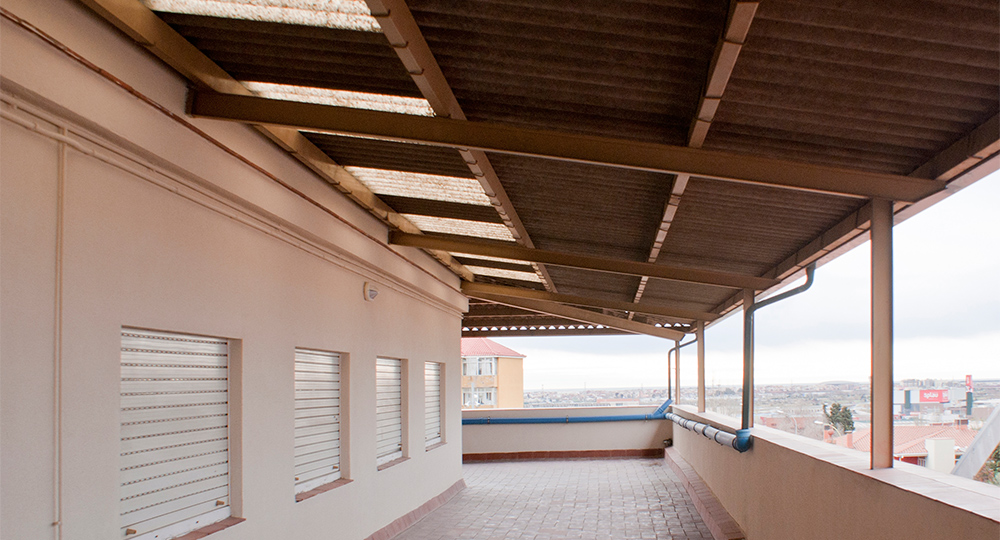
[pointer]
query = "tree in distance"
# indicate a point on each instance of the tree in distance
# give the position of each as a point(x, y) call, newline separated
point(840, 418)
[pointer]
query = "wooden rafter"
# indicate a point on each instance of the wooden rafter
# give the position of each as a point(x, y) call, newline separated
point(602, 264)
point(403, 33)
point(963, 162)
point(562, 146)
point(583, 315)
point(471, 289)
point(726, 53)
point(142, 25)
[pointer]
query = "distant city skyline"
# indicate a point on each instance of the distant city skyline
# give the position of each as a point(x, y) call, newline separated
point(947, 317)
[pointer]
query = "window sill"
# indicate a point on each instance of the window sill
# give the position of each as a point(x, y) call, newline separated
point(388, 464)
point(435, 445)
point(213, 528)
point(299, 497)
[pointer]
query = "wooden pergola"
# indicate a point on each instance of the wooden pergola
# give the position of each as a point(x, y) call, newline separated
point(594, 167)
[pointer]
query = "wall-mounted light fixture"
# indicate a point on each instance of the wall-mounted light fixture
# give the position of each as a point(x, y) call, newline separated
point(370, 292)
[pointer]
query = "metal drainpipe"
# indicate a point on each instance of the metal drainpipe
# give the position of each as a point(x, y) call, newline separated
point(669, 358)
point(748, 341)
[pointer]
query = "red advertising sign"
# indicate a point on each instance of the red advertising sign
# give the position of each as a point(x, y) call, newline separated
point(933, 396)
point(968, 383)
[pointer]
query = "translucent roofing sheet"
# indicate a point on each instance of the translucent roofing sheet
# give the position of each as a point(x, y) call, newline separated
point(342, 98)
point(344, 14)
point(488, 258)
point(422, 186)
point(501, 273)
point(478, 229)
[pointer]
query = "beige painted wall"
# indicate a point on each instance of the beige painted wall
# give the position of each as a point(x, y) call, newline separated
point(633, 435)
point(792, 487)
point(212, 248)
point(510, 384)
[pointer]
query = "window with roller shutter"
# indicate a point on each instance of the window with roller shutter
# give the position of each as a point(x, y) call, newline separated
point(388, 410)
point(432, 403)
point(317, 418)
point(174, 433)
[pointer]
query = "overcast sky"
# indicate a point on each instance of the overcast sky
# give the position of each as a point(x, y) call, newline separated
point(947, 317)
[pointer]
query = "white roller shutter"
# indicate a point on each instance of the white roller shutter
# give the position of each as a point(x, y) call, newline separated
point(174, 433)
point(432, 403)
point(317, 418)
point(388, 410)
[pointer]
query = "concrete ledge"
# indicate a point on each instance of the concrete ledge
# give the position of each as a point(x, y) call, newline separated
point(210, 529)
point(563, 454)
point(786, 484)
point(401, 524)
point(715, 516)
point(299, 497)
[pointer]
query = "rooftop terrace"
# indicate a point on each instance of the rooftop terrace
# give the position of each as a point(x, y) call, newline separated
point(593, 499)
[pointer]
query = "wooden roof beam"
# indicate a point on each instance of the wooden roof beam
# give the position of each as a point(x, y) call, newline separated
point(726, 52)
point(470, 289)
point(583, 315)
point(537, 332)
point(141, 24)
point(403, 33)
point(587, 262)
point(562, 146)
point(969, 159)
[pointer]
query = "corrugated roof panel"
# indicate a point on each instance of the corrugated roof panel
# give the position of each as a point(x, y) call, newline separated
point(762, 225)
point(883, 87)
point(345, 14)
point(587, 209)
point(297, 55)
point(342, 98)
point(503, 273)
point(421, 186)
point(632, 69)
point(395, 156)
point(600, 285)
point(428, 207)
point(461, 227)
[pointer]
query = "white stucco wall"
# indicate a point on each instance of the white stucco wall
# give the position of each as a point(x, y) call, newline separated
point(788, 486)
point(498, 438)
point(206, 246)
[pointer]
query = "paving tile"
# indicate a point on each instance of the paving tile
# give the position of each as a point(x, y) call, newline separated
point(578, 499)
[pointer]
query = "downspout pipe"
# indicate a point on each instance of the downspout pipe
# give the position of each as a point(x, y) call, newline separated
point(748, 341)
point(739, 441)
point(659, 414)
point(670, 357)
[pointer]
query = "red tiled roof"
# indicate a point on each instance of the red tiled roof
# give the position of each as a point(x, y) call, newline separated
point(486, 347)
point(909, 440)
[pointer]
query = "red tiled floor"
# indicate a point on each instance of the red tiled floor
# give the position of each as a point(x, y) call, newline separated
point(587, 499)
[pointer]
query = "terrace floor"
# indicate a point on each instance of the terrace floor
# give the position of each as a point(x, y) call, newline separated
point(590, 499)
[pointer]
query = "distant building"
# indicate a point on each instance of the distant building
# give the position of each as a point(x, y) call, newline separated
point(909, 442)
point(492, 375)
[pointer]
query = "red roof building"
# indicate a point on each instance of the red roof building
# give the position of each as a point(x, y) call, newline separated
point(908, 441)
point(492, 375)
point(487, 347)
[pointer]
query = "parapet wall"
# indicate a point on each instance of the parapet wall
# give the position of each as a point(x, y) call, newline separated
point(788, 486)
point(568, 437)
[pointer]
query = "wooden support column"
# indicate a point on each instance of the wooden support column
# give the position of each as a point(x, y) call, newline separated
point(700, 336)
point(881, 291)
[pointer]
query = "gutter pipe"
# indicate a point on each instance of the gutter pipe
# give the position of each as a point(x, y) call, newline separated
point(658, 414)
point(748, 342)
point(670, 354)
point(740, 441)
